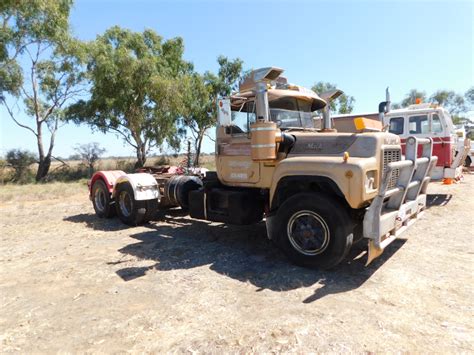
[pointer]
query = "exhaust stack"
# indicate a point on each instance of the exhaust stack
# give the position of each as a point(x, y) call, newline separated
point(329, 96)
point(384, 106)
point(258, 80)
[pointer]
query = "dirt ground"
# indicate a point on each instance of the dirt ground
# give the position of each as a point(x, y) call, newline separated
point(72, 282)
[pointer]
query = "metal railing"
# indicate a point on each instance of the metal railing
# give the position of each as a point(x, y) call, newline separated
point(397, 205)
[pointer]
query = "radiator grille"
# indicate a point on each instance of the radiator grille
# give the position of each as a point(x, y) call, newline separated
point(391, 155)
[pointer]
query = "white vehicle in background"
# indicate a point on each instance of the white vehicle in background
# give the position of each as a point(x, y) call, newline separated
point(463, 133)
point(422, 120)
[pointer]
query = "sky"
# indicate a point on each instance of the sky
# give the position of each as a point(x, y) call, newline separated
point(362, 46)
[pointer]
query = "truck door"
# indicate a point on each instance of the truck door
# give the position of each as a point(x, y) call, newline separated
point(443, 143)
point(233, 157)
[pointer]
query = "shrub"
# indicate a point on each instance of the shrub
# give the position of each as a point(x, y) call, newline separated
point(20, 161)
point(125, 165)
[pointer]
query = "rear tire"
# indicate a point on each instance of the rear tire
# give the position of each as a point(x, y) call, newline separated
point(102, 200)
point(312, 230)
point(129, 210)
point(467, 162)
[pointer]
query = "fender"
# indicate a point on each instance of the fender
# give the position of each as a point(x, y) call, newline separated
point(144, 186)
point(108, 176)
point(348, 176)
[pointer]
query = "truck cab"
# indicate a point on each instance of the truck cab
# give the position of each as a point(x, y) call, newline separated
point(423, 121)
point(314, 187)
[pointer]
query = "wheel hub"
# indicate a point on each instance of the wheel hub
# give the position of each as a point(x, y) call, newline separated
point(308, 233)
point(125, 204)
point(100, 199)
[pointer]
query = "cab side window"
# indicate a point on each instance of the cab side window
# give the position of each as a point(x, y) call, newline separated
point(242, 119)
point(436, 126)
point(396, 125)
point(418, 124)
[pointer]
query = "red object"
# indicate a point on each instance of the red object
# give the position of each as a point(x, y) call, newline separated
point(108, 176)
point(442, 148)
point(417, 101)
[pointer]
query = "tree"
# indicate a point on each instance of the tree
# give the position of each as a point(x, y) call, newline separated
point(20, 161)
point(89, 154)
point(37, 33)
point(136, 90)
point(453, 102)
point(412, 97)
point(202, 92)
point(343, 104)
point(469, 96)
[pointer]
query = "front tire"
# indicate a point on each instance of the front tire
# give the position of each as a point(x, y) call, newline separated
point(129, 210)
point(102, 200)
point(312, 230)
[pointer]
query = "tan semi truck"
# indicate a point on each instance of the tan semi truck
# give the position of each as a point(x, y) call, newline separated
point(318, 190)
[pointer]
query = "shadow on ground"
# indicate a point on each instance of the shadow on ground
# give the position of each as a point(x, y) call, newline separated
point(241, 252)
point(96, 223)
point(434, 200)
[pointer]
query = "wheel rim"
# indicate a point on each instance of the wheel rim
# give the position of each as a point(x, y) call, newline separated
point(125, 204)
point(308, 233)
point(100, 199)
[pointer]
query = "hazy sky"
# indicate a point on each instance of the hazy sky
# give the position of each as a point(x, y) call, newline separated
point(361, 46)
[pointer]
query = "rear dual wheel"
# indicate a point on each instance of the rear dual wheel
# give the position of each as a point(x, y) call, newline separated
point(102, 200)
point(129, 210)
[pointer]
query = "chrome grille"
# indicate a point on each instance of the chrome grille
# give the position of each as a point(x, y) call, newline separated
point(391, 155)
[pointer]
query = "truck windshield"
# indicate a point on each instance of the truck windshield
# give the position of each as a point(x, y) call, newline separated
point(291, 119)
point(290, 112)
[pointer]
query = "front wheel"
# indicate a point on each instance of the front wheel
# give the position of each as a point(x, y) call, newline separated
point(129, 210)
point(312, 230)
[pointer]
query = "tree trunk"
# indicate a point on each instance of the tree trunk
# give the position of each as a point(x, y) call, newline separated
point(198, 144)
point(44, 160)
point(43, 168)
point(141, 156)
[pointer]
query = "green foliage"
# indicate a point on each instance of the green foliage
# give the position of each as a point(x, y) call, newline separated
point(453, 102)
point(23, 23)
point(135, 88)
point(200, 95)
point(469, 96)
point(36, 34)
point(342, 105)
point(412, 96)
point(20, 161)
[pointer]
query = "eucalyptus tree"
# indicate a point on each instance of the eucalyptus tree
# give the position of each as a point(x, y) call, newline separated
point(200, 101)
point(136, 88)
point(40, 68)
point(343, 104)
point(452, 101)
point(412, 97)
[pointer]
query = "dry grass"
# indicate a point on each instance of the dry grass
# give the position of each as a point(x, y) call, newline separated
point(41, 192)
point(74, 283)
point(75, 170)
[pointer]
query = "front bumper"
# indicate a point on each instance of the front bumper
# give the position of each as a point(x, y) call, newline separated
point(394, 209)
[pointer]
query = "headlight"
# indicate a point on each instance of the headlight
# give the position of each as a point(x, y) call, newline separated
point(370, 177)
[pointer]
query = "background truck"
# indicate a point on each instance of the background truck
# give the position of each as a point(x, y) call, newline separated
point(422, 120)
point(465, 133)
point(319, 191)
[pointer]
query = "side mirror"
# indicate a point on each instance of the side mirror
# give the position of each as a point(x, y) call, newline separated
point(224, 116)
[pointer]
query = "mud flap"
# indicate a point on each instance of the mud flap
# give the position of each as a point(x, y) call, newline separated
point(395, 209)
